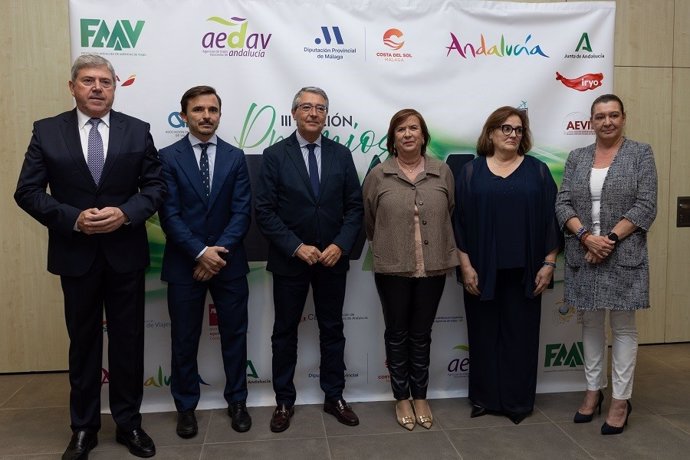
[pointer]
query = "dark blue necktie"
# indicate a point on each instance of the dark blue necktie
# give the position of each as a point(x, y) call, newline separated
point(95, 156)
point(203, 168)
point(313, 169)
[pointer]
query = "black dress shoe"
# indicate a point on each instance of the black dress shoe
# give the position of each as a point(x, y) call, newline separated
point(517, 418)
point(186, 424)
point(609, 429)
point(79, 446)
point(477, 411)
point(342, 411)
point(241, 420)
point(137, 441)
point(280, 421)
point(586, 418)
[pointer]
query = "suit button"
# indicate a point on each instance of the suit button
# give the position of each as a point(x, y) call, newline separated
point(426, 241)
point(414, 188)
point(423, 222)
point(421, 203)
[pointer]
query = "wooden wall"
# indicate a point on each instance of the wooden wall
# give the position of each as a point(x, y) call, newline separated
point(652, 75)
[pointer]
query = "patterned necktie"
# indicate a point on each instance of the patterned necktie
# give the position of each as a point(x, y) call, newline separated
point(203, 168)
point(95, 157)
point(313, 169)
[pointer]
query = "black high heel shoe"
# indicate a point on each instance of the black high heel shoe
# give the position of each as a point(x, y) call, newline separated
point(608, 429)
point(477, 411)
point(583, 418)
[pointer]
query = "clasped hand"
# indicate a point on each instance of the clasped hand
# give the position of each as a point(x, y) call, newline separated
point(311, 254)
point(210, 263)
point(598, 248)
point(106, 220)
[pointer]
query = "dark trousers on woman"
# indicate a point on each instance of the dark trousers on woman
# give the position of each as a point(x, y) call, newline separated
point(503, 336)
point(409, 308)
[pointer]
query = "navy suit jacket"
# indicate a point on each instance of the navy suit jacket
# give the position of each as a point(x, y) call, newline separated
point(131, 180)
point(191, 221)
point(289, 214)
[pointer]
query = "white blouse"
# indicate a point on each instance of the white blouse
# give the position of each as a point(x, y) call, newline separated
point(596, 183)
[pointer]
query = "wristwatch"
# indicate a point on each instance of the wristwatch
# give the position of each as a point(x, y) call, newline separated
point(613, 237)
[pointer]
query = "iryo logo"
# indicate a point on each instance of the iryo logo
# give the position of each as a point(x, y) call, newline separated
point(237, 42)
point(559, 354)
point(95, 33)
point(128, 81)
point(583, 82)
point(327, 36)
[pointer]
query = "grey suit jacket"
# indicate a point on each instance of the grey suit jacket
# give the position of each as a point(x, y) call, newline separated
point(621, 282)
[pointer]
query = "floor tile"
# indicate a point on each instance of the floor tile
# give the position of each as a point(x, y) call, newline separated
point(418, 444)
point(283, 449)
point(34, 431)
point(42, 390)
point(11, 384)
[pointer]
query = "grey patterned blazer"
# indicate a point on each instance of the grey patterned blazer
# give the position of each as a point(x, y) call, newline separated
point(621, 282)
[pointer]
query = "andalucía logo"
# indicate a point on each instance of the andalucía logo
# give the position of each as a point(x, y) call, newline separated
point(498, 47)
point(160, 380)
point(235, 42)
point(330, 44)
point(577, 124)
point(583, 82)
point(121, 35)
point(393, 39)
point(562, 355)
point(584, 50)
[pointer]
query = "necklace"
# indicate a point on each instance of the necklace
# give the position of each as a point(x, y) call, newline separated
point(406, 166)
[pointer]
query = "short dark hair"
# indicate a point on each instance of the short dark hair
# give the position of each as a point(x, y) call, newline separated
point(484, 145)
point(191, 93)
point(606, 98)
point(399, 118)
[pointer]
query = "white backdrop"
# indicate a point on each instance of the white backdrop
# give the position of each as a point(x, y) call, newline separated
point(454, 61)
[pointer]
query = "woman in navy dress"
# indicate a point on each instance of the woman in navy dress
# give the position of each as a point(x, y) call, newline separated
point(508, 238)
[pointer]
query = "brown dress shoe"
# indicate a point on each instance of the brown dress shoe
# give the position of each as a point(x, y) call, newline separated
point(80, 445)
point(342, 411)
point(280, 421)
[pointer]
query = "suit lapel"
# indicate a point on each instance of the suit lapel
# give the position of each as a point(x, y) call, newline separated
point(70, 133)
point(295, 154)
point(221, 170)
point(184, 156)
point(117, 129)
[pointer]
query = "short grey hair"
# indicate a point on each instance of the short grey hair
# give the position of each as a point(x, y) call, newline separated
point(309, 89)
point(91, 60)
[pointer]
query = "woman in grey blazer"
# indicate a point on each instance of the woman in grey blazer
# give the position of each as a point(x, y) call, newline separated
point(606, 205)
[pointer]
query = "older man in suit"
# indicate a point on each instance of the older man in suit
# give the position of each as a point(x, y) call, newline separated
point(105, 182)
point(309, 206)
point(205, 218)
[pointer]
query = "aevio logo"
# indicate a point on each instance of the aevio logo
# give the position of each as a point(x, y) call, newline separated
point(459, 364)
point(97, 33)
point(560, 354)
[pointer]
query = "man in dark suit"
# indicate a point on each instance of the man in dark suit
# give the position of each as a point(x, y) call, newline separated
point(205, 218)
point(309, 206)
point(105, 182)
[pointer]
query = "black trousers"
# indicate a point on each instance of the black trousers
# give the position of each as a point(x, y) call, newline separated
point(122, 295)
point(503, 337)
point(409, 309)
point(289, 296)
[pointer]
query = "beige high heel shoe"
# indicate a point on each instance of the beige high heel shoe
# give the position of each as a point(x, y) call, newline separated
point(423, 413)
point(404, 414)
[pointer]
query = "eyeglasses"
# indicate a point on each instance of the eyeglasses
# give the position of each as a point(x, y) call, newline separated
point(89, 82)
point(508, 130)
point(306, 108)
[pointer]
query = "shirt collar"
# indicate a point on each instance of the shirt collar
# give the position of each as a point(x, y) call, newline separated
point(195, 141)
point(303, 142)
point(83, 119)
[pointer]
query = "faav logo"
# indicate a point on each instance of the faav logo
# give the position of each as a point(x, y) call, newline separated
point(562, 355)
point(500, 47)
point(120, 35)
point(236, 42)
point(330, 44)
point(460, 367)
point(577, 124)
point(584, 50)
point(393, 39)
point(588, 81)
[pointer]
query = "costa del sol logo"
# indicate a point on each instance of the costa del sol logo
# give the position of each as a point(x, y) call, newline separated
point(120, 35)
point(330, 43)
point(499, 47)
point(235, 41)
point(584, 50)
point(393, 39)
point(586, 82)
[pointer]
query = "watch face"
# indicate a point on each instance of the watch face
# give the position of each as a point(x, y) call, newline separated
point(613, 237)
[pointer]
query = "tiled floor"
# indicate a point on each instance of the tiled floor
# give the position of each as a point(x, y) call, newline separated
point(34, 425)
